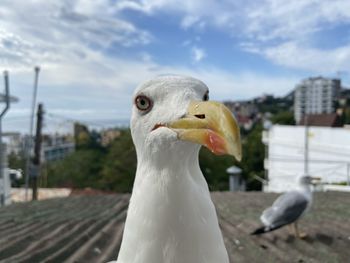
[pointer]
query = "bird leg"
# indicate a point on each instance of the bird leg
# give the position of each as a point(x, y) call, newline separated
point(290, 229)
point(296, 231)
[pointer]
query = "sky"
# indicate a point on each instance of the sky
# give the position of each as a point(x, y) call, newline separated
point(93, 54)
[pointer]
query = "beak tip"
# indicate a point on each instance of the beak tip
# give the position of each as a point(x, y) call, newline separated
point(238, 157)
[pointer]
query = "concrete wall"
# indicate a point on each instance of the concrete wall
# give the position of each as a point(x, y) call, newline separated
point(329, 155)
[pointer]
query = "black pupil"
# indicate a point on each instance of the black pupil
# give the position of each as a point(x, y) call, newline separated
point(143, 102)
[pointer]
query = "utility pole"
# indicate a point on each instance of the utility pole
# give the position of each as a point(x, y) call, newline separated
point(29, 141)
point(306, 148)
point(37, 152)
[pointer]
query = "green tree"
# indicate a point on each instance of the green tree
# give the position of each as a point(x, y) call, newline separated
point(347, 115)
point(119, 166)
point(253, 157)
point(214, 169)
point(283, 117)
point(113, 168)
point(16, 161)
point(85, 139)
point(78, 170)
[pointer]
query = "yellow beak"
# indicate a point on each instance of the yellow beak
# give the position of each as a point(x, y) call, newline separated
point(211, 124)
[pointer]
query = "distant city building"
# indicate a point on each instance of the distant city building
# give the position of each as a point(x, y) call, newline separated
point(328, 155)
point(244, 108)
point(56, 147)
point(15, 143)
point(108, 136)
point(315, 96)
point(244, 111)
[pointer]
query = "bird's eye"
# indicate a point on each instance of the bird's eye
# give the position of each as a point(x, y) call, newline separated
point(206, 96)
point(143, 103)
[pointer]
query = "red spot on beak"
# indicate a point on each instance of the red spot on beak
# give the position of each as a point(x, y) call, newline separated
point(215, 143)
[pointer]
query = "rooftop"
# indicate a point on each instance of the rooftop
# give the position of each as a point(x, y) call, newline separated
point(324, 119)
point(88, 228)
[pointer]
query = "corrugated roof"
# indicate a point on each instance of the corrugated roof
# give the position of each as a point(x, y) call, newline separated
point(89, 229)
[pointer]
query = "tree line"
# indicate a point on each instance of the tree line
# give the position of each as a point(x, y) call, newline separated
point(112, 167)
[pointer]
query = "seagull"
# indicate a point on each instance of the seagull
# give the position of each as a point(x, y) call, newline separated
point(171, 217)
point(288, 208)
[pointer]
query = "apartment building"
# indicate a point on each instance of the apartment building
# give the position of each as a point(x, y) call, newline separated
point(315, 96)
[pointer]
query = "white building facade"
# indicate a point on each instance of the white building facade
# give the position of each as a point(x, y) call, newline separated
point(329, 155)
point(5, 182)
point(315, 96)
point(5, 189)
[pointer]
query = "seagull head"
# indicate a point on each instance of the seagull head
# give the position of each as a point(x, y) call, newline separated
point(304, 180)
point(172, 117)
point(308, 180)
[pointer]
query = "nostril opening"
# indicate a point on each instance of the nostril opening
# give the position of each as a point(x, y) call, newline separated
point(200, 116)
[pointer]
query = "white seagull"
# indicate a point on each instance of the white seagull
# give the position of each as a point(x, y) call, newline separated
point(288, 208)
point(171, 217)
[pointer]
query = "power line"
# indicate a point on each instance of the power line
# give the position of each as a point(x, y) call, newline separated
point(17, 120)
point(288, 159)
point(86, 122)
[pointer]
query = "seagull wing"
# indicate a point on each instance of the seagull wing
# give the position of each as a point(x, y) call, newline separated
point(285, 210)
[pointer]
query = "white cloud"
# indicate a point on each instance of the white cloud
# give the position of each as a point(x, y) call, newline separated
point(71, 25)
point(263, 26)
point(300, 56)
point(264, 20)
point(104, 83)
point(284, 32)
point(225, 85)
point(278, 19)
point(68, 39)
point(46, 31)
point(189, 21)
point(194, 12)
point(198, 54)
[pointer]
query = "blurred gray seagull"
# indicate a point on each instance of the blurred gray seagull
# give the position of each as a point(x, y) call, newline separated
point(171, 217)
point(288, 208)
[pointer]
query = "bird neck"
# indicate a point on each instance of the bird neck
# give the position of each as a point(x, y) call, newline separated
point(306, 190)
point(168, 171)
point(304, 187)
point(171, 211)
